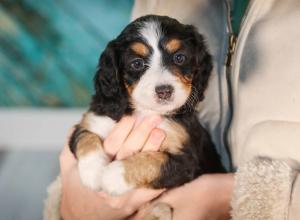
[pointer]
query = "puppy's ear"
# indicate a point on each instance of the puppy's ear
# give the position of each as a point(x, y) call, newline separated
point(203, 67)
point(110, 96)
point(106, 81)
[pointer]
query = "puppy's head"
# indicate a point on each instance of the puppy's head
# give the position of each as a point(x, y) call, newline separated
point(156, 64)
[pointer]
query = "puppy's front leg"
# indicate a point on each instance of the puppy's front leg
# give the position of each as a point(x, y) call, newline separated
point(139, 170)
point(87, 145)
point(147, 169)
point(91, 157)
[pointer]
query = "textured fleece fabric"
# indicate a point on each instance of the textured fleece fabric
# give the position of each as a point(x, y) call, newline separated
point(263, 189)
point(52, 203)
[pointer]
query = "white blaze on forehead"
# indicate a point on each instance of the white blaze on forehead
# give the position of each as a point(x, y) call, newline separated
point(156, 74)
point(151, 32)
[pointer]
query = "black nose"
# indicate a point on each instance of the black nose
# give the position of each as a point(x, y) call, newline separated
point(164, 91)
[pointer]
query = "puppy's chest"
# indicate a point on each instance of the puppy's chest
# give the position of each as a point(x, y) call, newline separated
point(176, 134)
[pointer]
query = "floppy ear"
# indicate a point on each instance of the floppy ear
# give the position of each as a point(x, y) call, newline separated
point(203, 65)
point(110, 97)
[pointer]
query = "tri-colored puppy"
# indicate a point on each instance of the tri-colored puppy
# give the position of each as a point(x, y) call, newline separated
point(155, 66)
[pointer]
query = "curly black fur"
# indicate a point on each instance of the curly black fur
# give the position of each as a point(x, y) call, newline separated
point(111, 97)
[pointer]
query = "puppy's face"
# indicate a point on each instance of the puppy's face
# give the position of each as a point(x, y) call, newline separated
point(158, 69)
point(162, 64)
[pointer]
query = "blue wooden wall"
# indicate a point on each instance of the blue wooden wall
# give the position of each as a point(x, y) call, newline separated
point(49, 48)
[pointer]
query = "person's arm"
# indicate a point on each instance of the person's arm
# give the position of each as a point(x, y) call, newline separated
point(207, 197)
point(78, 202)
point(263, 188)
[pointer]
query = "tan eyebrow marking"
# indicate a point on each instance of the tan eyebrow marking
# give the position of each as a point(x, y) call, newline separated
point(140, 49)
point(173, 45)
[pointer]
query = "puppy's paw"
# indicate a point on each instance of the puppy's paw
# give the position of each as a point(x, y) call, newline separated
point(159, 211)
point(113, 179)
point(91, 168)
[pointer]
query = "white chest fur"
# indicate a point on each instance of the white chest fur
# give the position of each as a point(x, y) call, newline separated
point(100, 125)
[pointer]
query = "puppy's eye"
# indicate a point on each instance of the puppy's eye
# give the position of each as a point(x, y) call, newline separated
point(137, 64)
point(179, 58)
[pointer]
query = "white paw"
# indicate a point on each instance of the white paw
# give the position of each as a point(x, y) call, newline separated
point(113, 179)
point(160, 211)
point(91, 168)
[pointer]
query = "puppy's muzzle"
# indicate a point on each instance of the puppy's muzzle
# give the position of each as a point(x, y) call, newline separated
point(164, 92)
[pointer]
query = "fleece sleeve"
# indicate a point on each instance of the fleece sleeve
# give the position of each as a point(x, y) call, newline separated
point(294, 213)
point(266, 189)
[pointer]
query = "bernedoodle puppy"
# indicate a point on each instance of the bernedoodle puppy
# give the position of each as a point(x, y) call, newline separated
point(156, 66)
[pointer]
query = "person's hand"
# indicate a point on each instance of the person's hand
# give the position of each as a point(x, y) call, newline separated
point(78, 202)
point(205, 198)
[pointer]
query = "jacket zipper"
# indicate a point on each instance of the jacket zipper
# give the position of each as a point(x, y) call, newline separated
point(232, 39)
point(232, 43)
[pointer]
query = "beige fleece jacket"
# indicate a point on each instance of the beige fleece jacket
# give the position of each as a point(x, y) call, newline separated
point(264, 86)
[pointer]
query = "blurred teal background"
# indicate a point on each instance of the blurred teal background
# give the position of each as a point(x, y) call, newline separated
point(49, 49)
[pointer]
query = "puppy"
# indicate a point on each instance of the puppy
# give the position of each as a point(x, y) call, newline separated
point(155, 66)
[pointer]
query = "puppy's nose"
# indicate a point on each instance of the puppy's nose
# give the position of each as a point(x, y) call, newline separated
point(164, 91)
